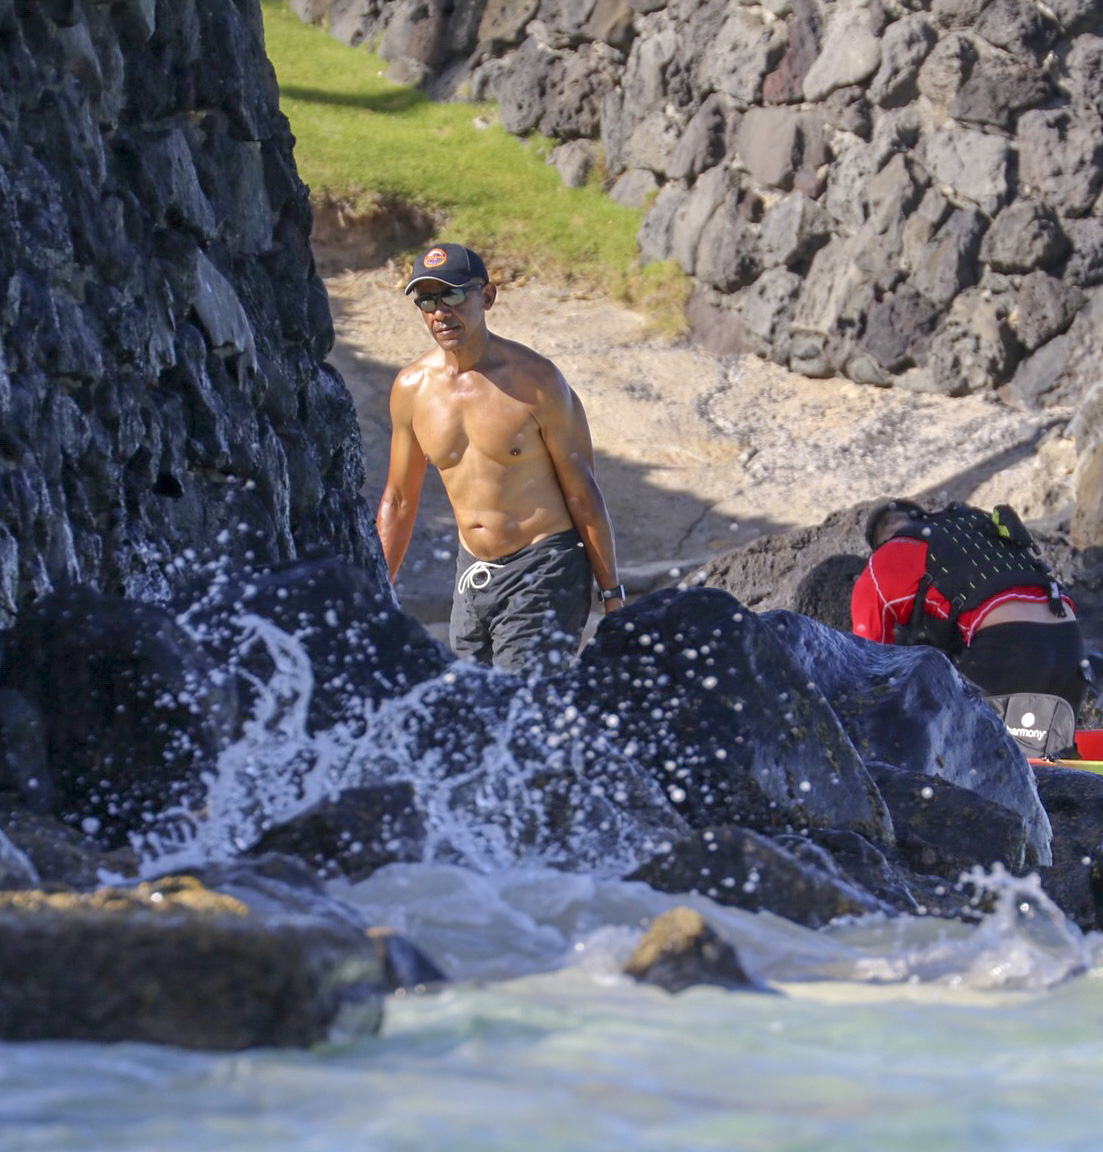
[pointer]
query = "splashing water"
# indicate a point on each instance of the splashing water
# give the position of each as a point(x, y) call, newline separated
point(15, 864)
point(498, 778)
point(1023, 942)
point(504, 781)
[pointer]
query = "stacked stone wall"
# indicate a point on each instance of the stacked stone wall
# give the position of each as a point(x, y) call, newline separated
point(163, 393)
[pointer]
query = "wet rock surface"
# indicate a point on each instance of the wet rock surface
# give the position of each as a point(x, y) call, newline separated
point(680, 950)
point(173, 963)
point(761, 760)
point(689, 725)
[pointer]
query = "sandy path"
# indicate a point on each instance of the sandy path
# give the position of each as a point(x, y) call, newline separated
point(697, 454)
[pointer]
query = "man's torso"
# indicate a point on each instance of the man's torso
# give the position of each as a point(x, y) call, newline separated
point(480, 431)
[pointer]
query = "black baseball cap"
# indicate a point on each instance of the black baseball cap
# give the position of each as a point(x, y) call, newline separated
point(450, 264)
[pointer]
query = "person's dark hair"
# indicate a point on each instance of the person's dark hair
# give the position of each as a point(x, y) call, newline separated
point(877, 516)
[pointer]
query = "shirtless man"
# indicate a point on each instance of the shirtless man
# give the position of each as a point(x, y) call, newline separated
point(510, 439)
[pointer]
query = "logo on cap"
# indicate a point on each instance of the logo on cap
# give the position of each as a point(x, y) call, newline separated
point(434, 258)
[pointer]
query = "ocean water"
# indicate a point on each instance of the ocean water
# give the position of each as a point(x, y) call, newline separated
point(886, 1035)
point(879, 1035)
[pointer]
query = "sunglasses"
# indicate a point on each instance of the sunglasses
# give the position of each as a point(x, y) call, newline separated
point(450, 298)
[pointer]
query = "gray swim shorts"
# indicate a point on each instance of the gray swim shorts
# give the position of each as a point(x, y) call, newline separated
point(531, 603)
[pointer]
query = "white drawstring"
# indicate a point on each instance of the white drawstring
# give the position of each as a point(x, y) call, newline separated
point(477, 575)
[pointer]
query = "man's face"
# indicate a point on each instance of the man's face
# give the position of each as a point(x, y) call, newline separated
point(451, 324)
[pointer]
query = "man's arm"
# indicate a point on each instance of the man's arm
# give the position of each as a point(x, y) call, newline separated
point(405, 476)
point(566, 434)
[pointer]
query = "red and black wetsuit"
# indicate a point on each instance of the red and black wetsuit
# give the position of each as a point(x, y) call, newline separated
point(999, 658)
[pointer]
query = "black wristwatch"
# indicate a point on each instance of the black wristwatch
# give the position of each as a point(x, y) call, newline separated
point(616, 593)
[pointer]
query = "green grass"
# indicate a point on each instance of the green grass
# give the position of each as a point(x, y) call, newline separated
point(365, 141)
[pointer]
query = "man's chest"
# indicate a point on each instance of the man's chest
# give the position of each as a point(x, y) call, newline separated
point(452, 428)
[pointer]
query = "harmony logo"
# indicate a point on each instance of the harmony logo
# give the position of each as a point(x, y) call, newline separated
point(1030, 733)
point(1026, 732)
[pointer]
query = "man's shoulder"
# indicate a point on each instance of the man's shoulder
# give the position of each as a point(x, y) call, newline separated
point(417, 372)
point(521, 356)
point(409, 386)
point(533, 378)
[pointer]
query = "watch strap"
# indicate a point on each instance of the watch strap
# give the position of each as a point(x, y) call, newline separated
point(616, 593)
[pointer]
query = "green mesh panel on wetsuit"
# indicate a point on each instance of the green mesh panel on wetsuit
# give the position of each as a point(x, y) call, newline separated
point(972, 555)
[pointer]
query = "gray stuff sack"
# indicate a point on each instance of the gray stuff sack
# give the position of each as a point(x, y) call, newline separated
point(1043, 726)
